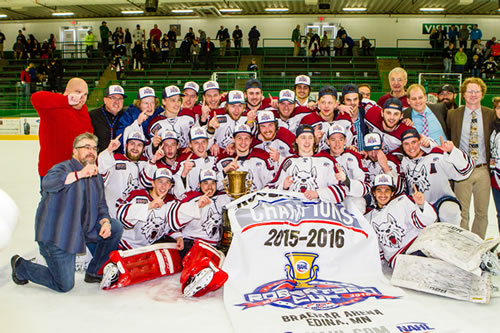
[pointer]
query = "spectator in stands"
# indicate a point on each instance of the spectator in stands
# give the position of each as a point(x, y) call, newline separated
point(222, 36)
point(365, 90)
point(433, 38)
point(138, 56)
point(252, 66)
point(314, 45)
point(349, 42)
point(120, 48)
point(190, 36)
point(117, 35)
point(19, 49)
point(448, 55)
point(67, 111)
point(296, 40)
point(475, 35)
point(491, 42)
point(152, 50)
point(44, 50)
point(155, 35)
point(59, 74)
point(475, 66)
point(52, 75)
point(237, 37)
point(89, 43)
point(453, 34)
point(463, 36)
point(105, 119)
point(172, 40)
point(21, 37)
point(2, 40)
point(25, 82)
point(128, 42)
point(441, 38)
point(33, 48)
point(489, 68)
point(366, 46)
point(341, 32)
point(307, 39)
point(446, 94)
point(164, 48)
point(195, 53)
point(253, 39)
point(324, 48)
point(398, 78)
point(478, 49)
point(118, 65)
point(338, 46)
point(33, 76)
point(185, 50)
point(208, 53)
point(202, 38)
point(139, 35)
point(105, 33)
point(470, 128)
point(460, 60)
point(52, 44)
point(41, 73)
point(428, 119)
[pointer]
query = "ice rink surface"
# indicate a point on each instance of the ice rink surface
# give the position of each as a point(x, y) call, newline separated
point(148, 307)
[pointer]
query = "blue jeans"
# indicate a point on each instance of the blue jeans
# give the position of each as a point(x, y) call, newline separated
point(59, 274)
point(447, 65)
point(475, 72)
point(496, 199)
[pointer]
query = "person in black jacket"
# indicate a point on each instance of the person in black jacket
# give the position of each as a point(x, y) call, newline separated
point(237, 36)
point(208, 51)
point(253, 39)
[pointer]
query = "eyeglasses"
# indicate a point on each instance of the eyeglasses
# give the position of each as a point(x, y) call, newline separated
point(88, 147)
point(472, 92)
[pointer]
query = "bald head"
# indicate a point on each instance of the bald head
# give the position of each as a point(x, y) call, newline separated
point(77, 87)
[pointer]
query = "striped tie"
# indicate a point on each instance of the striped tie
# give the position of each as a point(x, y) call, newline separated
point(473, 138)
point(425, 126)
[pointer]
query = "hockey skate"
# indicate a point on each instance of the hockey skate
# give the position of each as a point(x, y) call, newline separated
point(109, 276)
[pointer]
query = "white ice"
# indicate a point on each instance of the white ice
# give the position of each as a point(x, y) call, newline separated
point(148, 307)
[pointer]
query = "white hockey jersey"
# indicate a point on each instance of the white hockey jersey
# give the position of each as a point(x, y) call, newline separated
point(181, 124)
point(314, 120)
point(431, 172)
point(193, 177)
point(261, 168)
point(143, 226)
point(374, 169)
point(282, 143)
point(208, 226)
point(121, 176)
point(311, 173)
point(223, 135)
point(397, 225)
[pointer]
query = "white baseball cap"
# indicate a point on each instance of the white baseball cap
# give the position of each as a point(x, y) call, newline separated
point(303, 79)
point(171, 91)
point(168, 134)
point(383, 179)
point(336, 128)
point(115, 90)
point(163, 173)
point(207, 174)
point(243, 128)
point(197, 132)
point(192, 85)
point(265, 117)
point(146, 92)
point(286, 95)
point(235, 96)
point(372, 141)
point(210, 85)
point(136, 135)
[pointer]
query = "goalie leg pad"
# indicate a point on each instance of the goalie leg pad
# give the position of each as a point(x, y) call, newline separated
point(138, 265)
point(201, 273)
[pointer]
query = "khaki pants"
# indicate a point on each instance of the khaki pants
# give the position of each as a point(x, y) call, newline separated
point(222, 45)
point(296, 49)
point(477, 185)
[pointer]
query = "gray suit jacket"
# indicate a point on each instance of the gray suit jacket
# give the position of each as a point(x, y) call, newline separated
point(455, 121)
point(439, 110)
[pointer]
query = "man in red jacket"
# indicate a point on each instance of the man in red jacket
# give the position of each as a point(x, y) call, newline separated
point(62, 119)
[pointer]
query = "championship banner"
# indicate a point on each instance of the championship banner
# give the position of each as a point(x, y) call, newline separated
point(299, 266)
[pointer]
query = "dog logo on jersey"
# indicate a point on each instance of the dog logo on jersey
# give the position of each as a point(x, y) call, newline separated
point(303, 289)
point(132, 185)
point(212, 224)
point(418, 178)
point(303, 180)
point(154, 228)
point(389, 233)
point(227, 137)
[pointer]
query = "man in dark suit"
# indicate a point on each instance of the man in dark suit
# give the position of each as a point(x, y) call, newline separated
point(208, 50)
point(428, 119)
point(470, 127)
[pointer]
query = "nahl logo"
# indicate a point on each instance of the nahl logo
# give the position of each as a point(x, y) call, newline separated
point(303, 289)
point(414, 327)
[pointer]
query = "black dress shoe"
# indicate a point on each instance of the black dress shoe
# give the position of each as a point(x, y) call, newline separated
point(92, 279)
point(13, 264)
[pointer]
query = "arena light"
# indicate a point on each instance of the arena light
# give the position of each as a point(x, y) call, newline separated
point(230, 10)
point(3, 15)
point(63, 14)
point(132, 12)
point(276, 9)
point(182, 11)
point(354, 9)
point(432, 9)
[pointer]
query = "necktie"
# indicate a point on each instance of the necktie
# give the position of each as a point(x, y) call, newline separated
point(473, 138)
point(425, 126)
